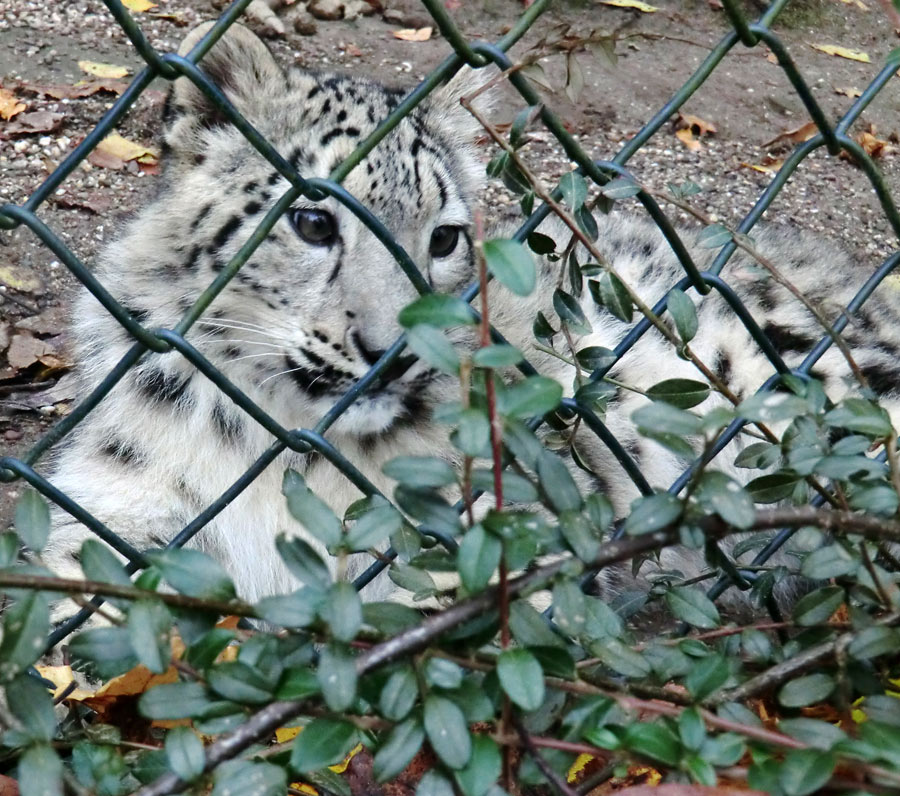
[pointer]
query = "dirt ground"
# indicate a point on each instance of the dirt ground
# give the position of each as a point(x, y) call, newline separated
point(748, 100)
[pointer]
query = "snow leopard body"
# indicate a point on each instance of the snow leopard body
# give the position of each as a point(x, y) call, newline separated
point(310, 312)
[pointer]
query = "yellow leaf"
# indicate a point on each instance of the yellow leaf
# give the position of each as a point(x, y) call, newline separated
point(341, 767)
point(842, 52)
point(122, 148)
point(138, 5)
point(62, 677)
point(102, 70)
point(284, 734)
point(764, 168)
point(413, 34)
point(858, 3)
point(647, 9)
point(304, 788)
point(577, 767)
point(695, 124)
point(687, 138)
point(848, 91)
point(9, 104)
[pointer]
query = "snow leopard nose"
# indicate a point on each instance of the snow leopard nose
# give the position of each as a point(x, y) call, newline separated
point(371, 356)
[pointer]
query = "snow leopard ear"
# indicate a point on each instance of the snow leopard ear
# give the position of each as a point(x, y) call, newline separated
point(449, 114)
point(240, 65)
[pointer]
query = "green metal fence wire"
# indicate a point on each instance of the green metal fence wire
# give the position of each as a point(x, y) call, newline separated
point(833, 137)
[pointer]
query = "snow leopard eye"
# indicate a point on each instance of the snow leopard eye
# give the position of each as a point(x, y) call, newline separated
point(317, 227)
point(443, 241)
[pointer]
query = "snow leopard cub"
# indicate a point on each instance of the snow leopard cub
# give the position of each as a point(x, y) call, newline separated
point(316, 305)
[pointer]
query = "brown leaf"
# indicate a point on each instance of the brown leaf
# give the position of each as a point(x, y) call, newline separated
point(96, 202)
point(687, 138)
point(354, 51)
point(9, 104)
point(695, 124)
point(768, 165)
point(413, 34)
point(848, 91)
point(796, 135)
point(25, 351)
point(114, 151)
point(51, 321)
point(103, 70)
point(83, 88)
point(34, 122)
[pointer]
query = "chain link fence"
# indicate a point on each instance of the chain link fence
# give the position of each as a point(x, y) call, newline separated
point(833, 137)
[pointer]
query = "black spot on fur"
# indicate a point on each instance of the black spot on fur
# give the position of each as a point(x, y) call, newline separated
point(331, 135)
point(140, 315)
point(322, 338)
point(251, 186)
point(200, 217)
point(125, 453)
point(191, 263)
point(785, 339)
point(314, 358)
point(313, 91)
point(251, 208)
point(228, 425)
point(882, 377)
point(722, 368)
point(225, 233)
point(162, 387)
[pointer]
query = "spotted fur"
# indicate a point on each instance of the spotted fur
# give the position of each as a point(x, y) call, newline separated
point(301, 323)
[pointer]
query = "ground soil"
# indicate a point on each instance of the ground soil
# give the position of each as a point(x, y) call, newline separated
point(748, 99)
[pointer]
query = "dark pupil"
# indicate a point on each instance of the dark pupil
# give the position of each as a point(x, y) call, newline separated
point(315, 226)
point(444, 240)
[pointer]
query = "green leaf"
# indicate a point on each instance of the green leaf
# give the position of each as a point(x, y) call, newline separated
point(659, 417)
point(413, 579)
point(246, 778)
point(570, 313)
point(614, 296)
point(621, 658)
point(541, 328)
point(806, 690)
point(149, 623)
point(108, 649)
point(9, 549)
point(873, 642)
point(31, 704)
point(240, 683)
point(337, 676)
point(497, 356)
point(434, 309)
point(773, 487)
point(655, 741)
point(511, 265)
point(691, 729)
point(32, 520)
point(99, 563)
point(26, 624)
point(530, 628)
point(420, 471)
point(818, 606)
point(173, 701)
point(680, 393)
point(298, 609)
point(758, 456)
point(40, 772)
point(483, 768)
point(713, 236)
point(431, 345)
point(701, 771)
point(727, 748)
point(390, 618)
point(478, 558)
point(516, 488)
point(322, 743)
point(184, 753)
point(862, 416)
point(303, 562)
point(297, 682)
point(569, 607)
point(398, 694)
point(540, 243)
point(447, 731)
point(815, 733)
point(557, 482)
point(398, 749)
point(684, 314)
point(434, 784)
point(756, 645)
point(473, 432)
point(342, 611)
point(706, 676)
point(311, 511)
point(522, 678)
point(193, 573)
point(769, 407)
point(374, 526)
point(620, 188)
point(651, 513)
point(574, 190)
point(596, 357)
point(441, 673)
point(719, 494)
point(531, 397)
point(804, 771)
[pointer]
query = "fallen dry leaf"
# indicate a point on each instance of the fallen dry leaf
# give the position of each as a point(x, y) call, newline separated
point(695, 124)
point(796, 135)
point(83, 88)
point(413, 34)
point(103, 70)
point(636, 4)
point(842, 52)
point(26, 350)
point(62, 677)
point(95, 202)
point(354, 51)
point(138, 5)
point(858, 3)
point(34, 122)
point(874, 147)
point(848, 91)
point(114, 151)
point(768, 165)
point(673, 789)
point(19, 278)
point(687, 138)
point(772, 58)
point(9, 104)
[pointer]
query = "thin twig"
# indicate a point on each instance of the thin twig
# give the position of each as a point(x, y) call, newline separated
point(555, 779)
